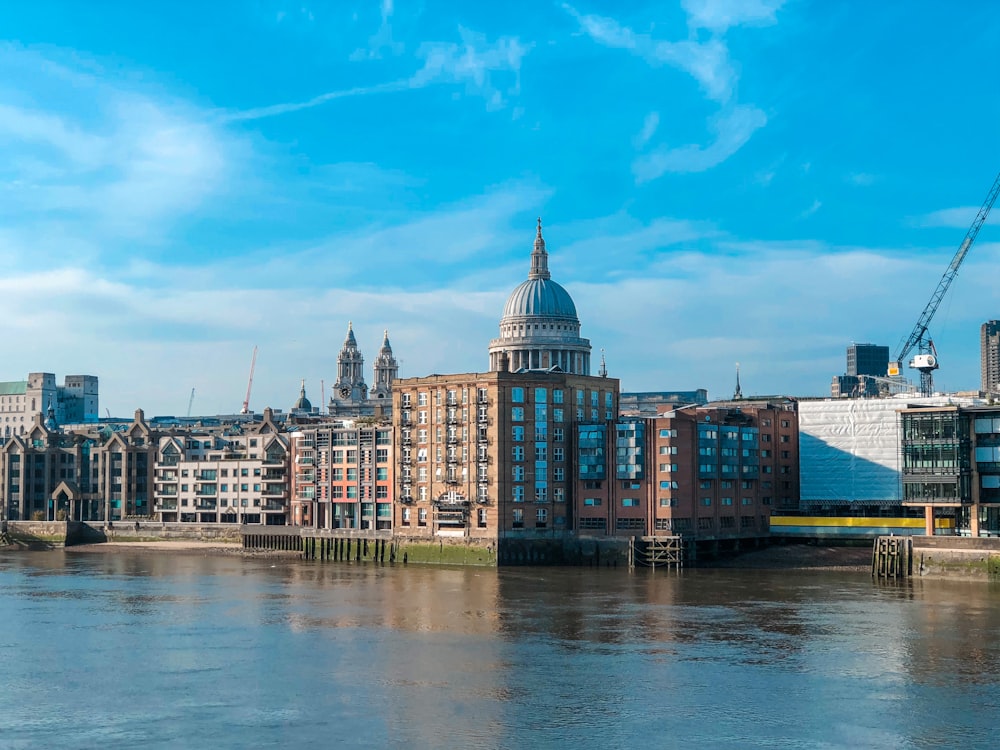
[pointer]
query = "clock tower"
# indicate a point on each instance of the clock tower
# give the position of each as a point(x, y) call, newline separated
point(386, 370)
point(349, 390)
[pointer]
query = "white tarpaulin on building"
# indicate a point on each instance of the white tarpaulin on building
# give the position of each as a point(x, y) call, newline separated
point(849, 449)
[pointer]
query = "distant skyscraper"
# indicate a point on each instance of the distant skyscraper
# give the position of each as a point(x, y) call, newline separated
point(867, 359)
point(989, 352)
point(862, 359)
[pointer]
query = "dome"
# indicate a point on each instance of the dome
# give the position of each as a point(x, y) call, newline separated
point(540, 297)
point(303, 404)
point(540, 329)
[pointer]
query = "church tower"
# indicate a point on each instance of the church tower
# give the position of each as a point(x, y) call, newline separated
point(349, 388)
point(386, 370)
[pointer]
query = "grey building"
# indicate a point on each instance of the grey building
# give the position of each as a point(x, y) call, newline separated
point(73, 402)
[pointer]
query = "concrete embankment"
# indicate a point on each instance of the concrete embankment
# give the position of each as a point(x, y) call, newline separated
point(956, 557)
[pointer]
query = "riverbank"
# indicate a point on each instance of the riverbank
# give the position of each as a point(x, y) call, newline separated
point(192, 546)
point(798, 557)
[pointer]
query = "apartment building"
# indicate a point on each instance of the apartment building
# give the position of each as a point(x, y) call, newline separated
point(342, 475)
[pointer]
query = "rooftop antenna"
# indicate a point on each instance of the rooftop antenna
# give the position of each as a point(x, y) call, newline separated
point(738, 394)
point(322, 396)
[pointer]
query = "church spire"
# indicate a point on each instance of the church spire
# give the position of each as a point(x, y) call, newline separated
point(539, 258)
point(603, 372)
point(738, 393)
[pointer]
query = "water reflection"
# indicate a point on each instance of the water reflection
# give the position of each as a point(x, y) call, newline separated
point(154, 647)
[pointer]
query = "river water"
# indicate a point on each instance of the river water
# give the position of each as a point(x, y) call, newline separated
point(127, 650)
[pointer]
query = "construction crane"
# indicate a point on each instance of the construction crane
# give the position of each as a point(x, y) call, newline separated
point(190, 402)
point(246, 401)
point(926, 359)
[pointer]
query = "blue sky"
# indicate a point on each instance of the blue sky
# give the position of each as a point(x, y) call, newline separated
point(720, 181)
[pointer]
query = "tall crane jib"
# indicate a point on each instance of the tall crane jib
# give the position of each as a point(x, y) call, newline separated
point(926, 359)
point(246, 401)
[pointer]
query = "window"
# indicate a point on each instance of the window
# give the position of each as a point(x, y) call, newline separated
point(706, 484)
point(667, 468)
point(518, 452)
point(517, 494)
point(668, 485)
point(706, 501)
point(421, 399)
point(541, 452)
point(422, 517)
point(557, 396)
point(668, 502)
point(591, 501)
point(746, 501)
point(668, 433)
point(541, 395)
point(559, 474)
point(517, 395)
point(557, 415)
point(557, 434)
point(671, 450)
point(541, 518)
point(518, 473)
point(517, 414)
point(630, 502)
point(726, 501)
point(518, 432)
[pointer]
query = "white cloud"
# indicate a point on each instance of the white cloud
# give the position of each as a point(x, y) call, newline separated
point(720, 15)
point(98, 157)
point(813, 208)
point(732, 130)
point(862, 179)
point(475, 62)
point(957, 218)
point(707, 62)
point(649, 126)
point(382, 40)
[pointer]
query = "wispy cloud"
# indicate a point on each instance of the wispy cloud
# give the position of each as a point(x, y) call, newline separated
point(475, 62)
point(732, 130)
point(957, 218)
point(382, 40)
point(720, 15)
point(813, 208)
point(708, 62)
point(490, 70)
point(862, 179)
point(123, 165)
point(649, 126)
point(273, 110)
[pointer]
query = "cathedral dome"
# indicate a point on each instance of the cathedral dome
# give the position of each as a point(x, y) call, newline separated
point(539, 298)
point(540, 328)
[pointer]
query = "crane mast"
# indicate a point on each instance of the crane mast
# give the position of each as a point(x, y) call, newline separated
point(926, 360)
point(246, 401)
point(190, 402)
